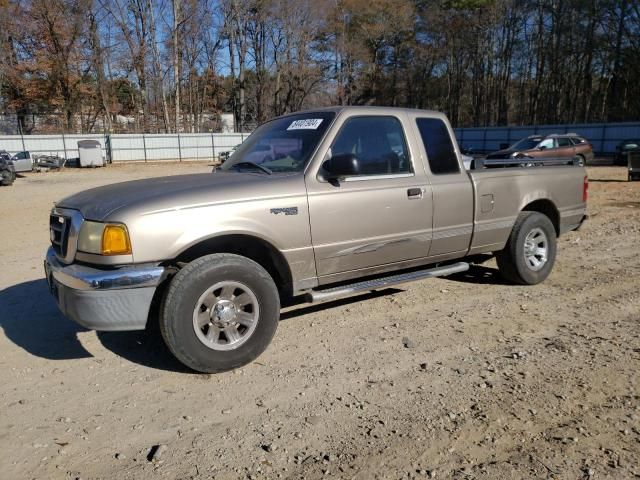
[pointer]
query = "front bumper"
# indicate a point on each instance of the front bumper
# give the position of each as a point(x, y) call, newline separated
point(111, 300)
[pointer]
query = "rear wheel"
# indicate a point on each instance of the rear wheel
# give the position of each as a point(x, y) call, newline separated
point(530, 253)
point(220, 312)
point(581, 160)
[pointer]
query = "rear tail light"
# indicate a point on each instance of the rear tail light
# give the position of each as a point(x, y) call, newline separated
point(585, 189)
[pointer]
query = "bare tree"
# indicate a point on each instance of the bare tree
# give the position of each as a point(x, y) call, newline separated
point(158, 74)
point(176, 66)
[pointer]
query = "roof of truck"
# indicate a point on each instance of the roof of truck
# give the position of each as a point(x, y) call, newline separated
point(367, 108)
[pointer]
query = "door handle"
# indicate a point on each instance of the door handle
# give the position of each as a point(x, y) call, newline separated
point(414, 193)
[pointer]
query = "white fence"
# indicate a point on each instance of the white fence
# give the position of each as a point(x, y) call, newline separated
point(129, 147)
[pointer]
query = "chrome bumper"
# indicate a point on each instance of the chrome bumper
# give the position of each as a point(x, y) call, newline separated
point(117, 299)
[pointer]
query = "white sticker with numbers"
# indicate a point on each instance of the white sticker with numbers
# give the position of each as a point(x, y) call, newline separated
point(307, 124)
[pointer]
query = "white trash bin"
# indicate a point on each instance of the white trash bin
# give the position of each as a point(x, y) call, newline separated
point(90, 153)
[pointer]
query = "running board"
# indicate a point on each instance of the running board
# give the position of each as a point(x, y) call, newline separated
point(342, 291)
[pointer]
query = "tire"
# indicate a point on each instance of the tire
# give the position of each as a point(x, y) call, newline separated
point(581, 160)
point(231, 333)
point(6, 178)
point(517, 260)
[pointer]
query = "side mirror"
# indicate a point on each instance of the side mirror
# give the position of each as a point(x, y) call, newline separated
point(542, 147)
point(341, 165)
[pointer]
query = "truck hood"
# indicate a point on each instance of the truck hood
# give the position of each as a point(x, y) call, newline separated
point(109, 201)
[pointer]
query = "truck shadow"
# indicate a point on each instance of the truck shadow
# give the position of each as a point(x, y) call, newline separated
point(31, 320)
point(479, 275)
point(144, 347)
point(300, 308)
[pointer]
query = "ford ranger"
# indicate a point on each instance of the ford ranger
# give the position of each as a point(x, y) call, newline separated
point(352, 199)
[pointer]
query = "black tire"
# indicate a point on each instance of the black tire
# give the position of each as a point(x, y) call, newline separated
point(185, 292)
point(512, 262)
point(6, 178)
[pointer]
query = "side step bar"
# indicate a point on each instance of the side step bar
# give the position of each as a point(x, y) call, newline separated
point(342, 291)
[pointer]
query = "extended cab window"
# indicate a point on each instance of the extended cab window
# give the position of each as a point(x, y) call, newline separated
point(564, 142)
point(377, 142)
point(437, 143)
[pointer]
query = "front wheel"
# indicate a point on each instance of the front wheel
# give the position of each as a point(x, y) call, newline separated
point(530, 253)
point(220, 312)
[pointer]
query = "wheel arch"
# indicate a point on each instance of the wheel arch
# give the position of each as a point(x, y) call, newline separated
point(547, 208)
point(250, 246)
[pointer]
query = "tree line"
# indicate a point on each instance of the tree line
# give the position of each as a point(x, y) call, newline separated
point(176, 65)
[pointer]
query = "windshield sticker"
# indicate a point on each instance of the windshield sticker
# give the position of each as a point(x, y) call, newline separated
point(307, 124)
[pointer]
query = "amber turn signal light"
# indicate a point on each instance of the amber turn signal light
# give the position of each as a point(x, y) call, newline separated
point(115, 240)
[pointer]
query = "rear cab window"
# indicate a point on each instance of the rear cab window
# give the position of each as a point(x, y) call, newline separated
point(441, 154)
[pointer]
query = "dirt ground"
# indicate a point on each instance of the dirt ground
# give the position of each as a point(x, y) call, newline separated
point(499, 382)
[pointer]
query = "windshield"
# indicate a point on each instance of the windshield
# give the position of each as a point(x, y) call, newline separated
point(281, 145)
point(526, 144)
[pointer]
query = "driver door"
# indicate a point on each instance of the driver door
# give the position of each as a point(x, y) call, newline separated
point(380, 217)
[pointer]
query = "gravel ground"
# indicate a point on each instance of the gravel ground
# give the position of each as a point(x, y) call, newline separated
point(464, 377)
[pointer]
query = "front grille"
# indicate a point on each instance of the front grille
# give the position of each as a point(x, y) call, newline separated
point(59, 231)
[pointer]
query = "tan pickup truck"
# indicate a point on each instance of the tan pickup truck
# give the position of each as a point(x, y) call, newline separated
point(312, 206)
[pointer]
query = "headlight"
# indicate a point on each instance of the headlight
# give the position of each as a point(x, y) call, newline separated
point(90, 238)
point(104, 238)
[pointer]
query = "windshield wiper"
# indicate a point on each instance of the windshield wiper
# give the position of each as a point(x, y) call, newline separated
point(253, 164)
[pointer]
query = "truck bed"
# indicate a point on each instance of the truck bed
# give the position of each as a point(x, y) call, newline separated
point(501, 193)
